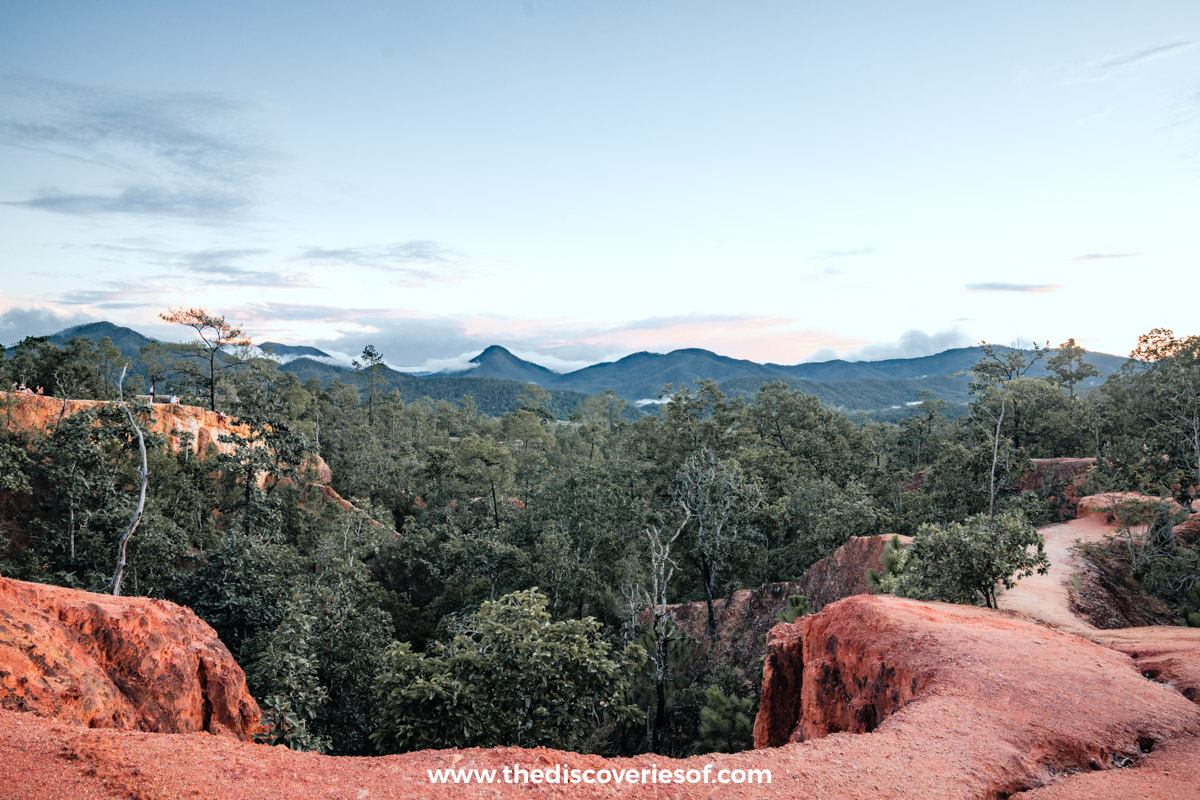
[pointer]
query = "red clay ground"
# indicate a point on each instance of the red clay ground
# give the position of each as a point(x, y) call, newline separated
point(100, 661)
point(1002, 705)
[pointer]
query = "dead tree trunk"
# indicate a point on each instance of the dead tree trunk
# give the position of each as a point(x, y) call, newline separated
point(115, 588)
point(995, 460)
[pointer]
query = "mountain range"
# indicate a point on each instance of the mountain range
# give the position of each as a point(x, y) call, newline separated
point(497, 378)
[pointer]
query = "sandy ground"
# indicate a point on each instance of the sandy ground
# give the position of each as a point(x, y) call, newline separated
point(1045, 597)
point(1007, 704)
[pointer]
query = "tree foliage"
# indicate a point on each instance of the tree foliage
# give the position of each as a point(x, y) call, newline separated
point(966, 562)
point(214, 351)
point(510, 676)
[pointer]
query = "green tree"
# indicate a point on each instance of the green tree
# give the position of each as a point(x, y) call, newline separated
point(965, 562)
point(370, 363)
point(890, 564)
point(715, 498)
point(820, 516)
point(921, 429)
point(510, 676)
point(726, 723)
point(295, 696)
point(1070, 366)
point(1160, 391)
point(33, 362)
point(992, 380)
point(796, 607)
point(208, 358)
point(486, 469)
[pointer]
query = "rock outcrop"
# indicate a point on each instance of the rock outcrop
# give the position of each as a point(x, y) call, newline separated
point(1059, 481)
point(176, 423)
point(744, 618)
point(960, 703)
point(118, 662)
point(843, 573)
point(1005, 703)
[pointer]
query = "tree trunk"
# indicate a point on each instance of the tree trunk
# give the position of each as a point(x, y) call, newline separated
point(115, 587)
point(706, 575)
point(995, 459)
point(660, 715)
point(247, 500)
point(212, 379)
point(1016, 425)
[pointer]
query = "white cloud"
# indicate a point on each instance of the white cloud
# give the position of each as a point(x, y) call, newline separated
point(824, 354)
point(553, 362)
point(912, 344)
point(17, 323)
point(456, 363)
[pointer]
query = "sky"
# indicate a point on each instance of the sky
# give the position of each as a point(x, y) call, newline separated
point(576, 181)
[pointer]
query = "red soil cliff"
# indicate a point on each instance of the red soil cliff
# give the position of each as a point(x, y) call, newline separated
point(37, 412)
point(744, 619)
point(118, 662)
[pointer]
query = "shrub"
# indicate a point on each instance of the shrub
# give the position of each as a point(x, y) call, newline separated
point(797, 606)
point(726, 723)
point(963, 562)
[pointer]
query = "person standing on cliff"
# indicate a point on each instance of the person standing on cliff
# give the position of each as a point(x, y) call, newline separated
point(151, 392)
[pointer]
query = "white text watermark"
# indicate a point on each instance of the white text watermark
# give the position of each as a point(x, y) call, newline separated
point(565, 774)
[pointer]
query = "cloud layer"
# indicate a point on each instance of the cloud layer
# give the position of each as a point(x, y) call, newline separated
point(912, 344)
point(997, 286)
point(189, 155)
point(17, 323)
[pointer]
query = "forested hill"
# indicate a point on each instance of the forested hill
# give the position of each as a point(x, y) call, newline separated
point(852, 385)
point(492, 396)
point(127, 340)
point(497, 378)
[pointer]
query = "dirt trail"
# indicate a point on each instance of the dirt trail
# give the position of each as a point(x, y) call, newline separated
point(1045, 597)
point(1170, 655)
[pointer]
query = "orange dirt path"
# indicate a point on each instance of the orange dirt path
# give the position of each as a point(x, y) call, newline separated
point(1168, 654)
point(1044, 597)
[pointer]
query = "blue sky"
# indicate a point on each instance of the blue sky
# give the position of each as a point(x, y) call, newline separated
point(580, 180)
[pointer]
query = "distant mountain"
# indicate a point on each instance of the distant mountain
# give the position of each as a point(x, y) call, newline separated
point(498, 378)
point(286, 352)
point(947, 362)
point(643, 375)
point(127, 340)
point(497, 362)
point(853, 385)
point(492, 396)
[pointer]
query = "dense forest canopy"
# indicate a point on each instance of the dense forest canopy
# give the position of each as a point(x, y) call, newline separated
point(550, 538)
